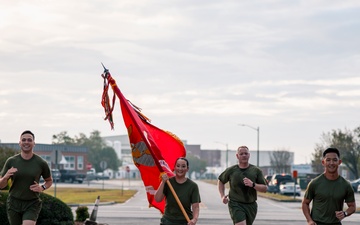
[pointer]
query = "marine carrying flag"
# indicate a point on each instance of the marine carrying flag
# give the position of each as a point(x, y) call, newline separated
point(153, 150)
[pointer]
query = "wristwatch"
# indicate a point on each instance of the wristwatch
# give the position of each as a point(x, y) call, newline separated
point(345, 213)
point(43, 186)
point(253, 184)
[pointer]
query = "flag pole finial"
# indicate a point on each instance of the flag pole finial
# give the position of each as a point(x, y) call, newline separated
point(105, 70)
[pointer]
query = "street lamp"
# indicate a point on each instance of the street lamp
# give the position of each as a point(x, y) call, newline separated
point(258, 134)
point(227, 152)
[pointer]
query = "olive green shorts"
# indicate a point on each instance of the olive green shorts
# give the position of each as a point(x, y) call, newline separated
point(165, 221)
point(19, 210)
point(242, 211)
point(319, 223)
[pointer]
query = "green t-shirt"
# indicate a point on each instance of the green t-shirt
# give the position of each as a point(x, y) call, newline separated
point(238, 191)
point(187, 192)
point(28, 172)
point(328, 196)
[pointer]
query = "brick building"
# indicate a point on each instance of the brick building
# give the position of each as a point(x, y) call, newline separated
point(69, 157)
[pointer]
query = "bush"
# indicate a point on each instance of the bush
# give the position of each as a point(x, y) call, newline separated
point(82, 213)
point(3, 215)
point(54, 211)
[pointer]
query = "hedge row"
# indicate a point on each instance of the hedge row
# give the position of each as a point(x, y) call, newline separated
point(54, 211)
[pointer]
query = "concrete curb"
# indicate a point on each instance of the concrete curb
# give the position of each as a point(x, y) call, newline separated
point(280, 200)
point(90, 204)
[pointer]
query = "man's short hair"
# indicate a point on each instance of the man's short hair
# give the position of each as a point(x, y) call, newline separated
point(28, 132)
point(243, 146)
point(331, 150)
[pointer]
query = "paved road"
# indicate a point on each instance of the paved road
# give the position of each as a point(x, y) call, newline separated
point(212, 211)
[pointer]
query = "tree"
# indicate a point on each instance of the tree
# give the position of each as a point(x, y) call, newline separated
point(317, 157)
point(98, 150)
point(318, 151)
point(349, 149)
point(281, 161)
point(195, 164)
point(62, 138)
point(348, 143)
point(95, 141)
point(108, 155)
point(5, 153)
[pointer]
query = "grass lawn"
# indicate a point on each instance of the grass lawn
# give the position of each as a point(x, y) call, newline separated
point(89, 195)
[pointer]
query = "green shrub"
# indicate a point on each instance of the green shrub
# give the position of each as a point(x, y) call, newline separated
point(53, 211)
point(82, 213)
point(3, 215)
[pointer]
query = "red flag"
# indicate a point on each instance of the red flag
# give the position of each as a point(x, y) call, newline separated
point(153, 150)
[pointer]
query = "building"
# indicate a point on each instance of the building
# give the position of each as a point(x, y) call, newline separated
point(68, 157)
point(121, 145)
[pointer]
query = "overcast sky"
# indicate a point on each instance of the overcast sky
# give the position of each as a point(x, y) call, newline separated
point(196, 68)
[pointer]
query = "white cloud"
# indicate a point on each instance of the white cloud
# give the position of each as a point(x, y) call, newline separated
point(195, 68)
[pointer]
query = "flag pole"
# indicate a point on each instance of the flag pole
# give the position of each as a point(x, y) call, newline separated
point(112, 82)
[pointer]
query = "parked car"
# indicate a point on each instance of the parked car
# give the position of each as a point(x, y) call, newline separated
point(276, 179)
point(102, 176)
point(91, 175)
point(355, 184)
point(56, 175)
point(287, 188)
point(71, 176)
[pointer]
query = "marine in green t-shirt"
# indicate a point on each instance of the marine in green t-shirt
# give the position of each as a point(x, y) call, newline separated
point(24, 171)
point(186, 191)
point(328, 192)
point(245, 180)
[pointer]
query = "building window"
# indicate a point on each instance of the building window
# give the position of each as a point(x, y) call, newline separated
point(70, 165)
point(80, 162)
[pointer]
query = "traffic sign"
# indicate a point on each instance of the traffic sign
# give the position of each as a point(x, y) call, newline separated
point(103, 165)
point(295, 174)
